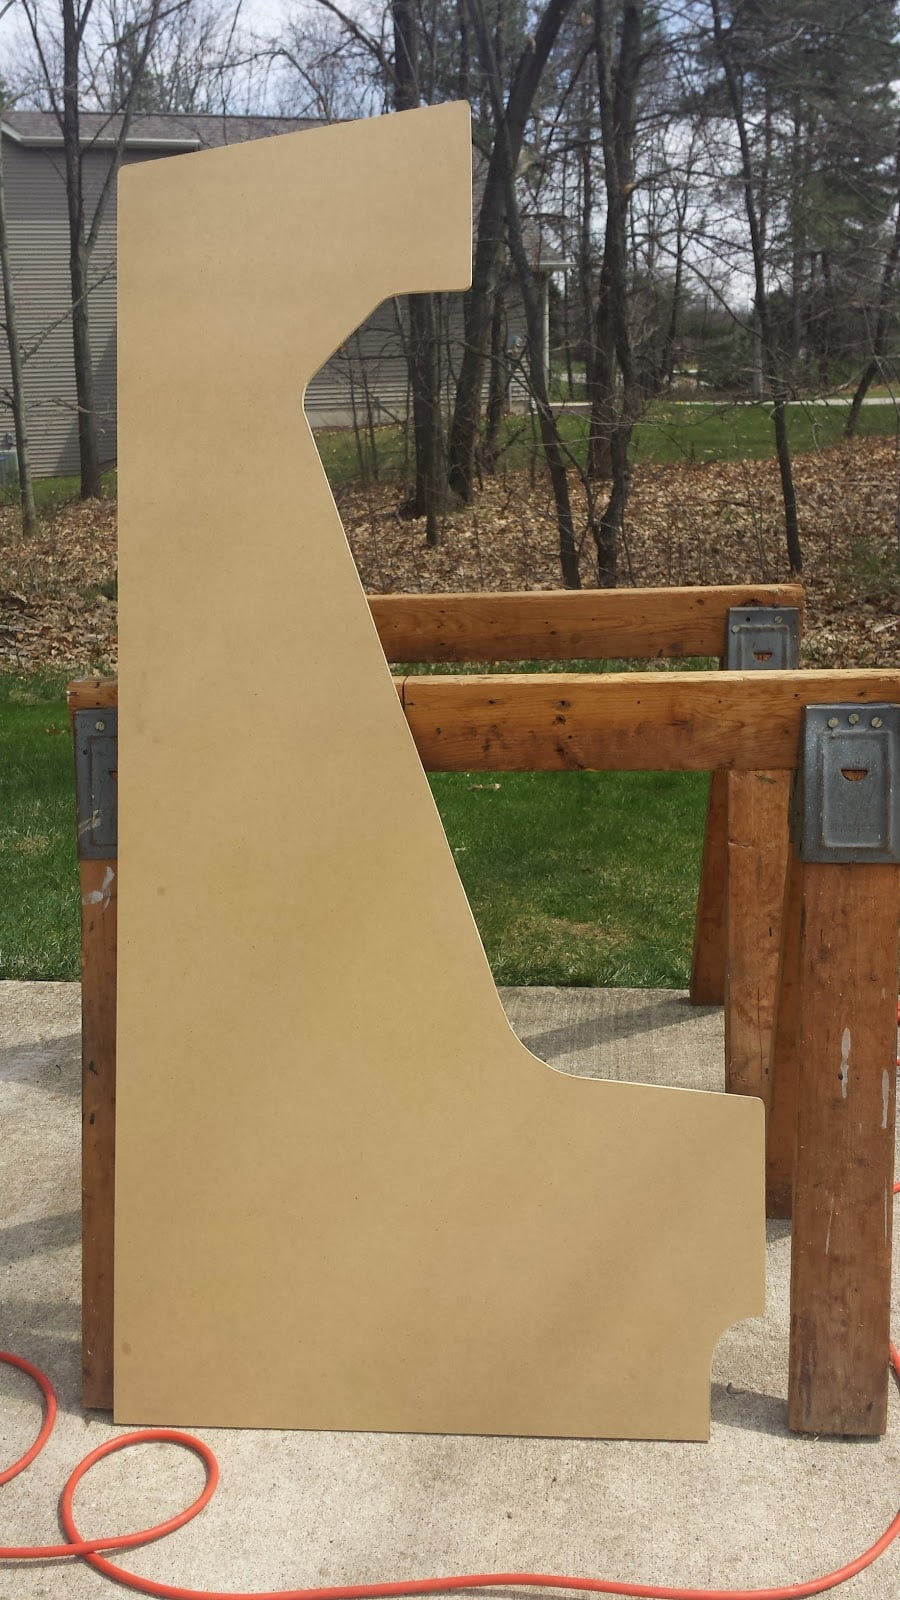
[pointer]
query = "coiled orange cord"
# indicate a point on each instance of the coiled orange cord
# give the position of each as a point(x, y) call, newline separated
point(91, 1550)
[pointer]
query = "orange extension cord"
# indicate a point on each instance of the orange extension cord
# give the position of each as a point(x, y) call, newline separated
point(90, 1549)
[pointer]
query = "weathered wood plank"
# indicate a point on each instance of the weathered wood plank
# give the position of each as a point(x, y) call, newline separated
point(623, 721)
point(558, 625)
point(98, 1133)
point(676, 721)
point(757, 831)
point(92, 694)
point(843, 1201)
point(781, 1127)
point(709, 957)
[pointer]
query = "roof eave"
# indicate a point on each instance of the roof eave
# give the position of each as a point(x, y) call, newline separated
point(43, 141)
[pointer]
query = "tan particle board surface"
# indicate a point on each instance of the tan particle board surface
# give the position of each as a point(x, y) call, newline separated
point(346, 1195)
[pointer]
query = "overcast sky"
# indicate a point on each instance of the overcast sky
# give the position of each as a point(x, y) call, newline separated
point(262, 17)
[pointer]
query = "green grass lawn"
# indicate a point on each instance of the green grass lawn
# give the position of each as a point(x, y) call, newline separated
point(52, 492)
point(730, 433)
point(670, 432)
point(38, 872)
point(574, 878)
point(707, 432)
point(579, 877)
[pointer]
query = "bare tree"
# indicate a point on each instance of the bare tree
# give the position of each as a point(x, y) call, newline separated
point(199, 59)
point(508, 135)
point(60, 57)
point(534, 318)
point(348, 69)
point(424, 365)
point(16, 393)
point(322, 70)
point(875, 363)
point(616, 399)
point(775, 378)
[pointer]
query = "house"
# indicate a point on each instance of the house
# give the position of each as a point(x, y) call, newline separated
point(365, 382)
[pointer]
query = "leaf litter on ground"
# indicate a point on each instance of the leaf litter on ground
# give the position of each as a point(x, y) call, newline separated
point(687, 523)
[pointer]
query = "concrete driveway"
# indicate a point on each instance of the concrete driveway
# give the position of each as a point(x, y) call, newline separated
point(754, 1507)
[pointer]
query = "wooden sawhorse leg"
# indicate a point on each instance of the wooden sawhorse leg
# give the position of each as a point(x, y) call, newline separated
point(739, 904)
point(96, 771)
point(844, 1171)
point(838, 1003)
point(757, 854)
point(781, 1124)
point(709, 958)
point(738, 933)
point(98, 1132)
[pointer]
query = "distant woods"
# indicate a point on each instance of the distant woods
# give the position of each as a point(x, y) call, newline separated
point(695, 197)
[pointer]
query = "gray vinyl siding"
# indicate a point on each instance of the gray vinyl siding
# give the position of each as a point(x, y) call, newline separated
point(365, 382)
point(39, 258)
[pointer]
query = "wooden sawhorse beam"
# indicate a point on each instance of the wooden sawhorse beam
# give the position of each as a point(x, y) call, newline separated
point(839, 977)
point(570, 625)
point(735, 957)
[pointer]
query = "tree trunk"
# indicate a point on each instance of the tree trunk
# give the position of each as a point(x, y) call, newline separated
point(477, 308)
point(91, 481)
point(828, 320)
point(799, 175)
point(873, 365)
point(91, 485)
point(788, 492)
point(667, 363)
point(602, 370)
point(424, 365)
point(26, 490)
point(425, 384)
point(870, 373)
point(550, 439)
point(616, 399)
point(586, 252)
point(606, 535)
point(767, 343)
point(757, 388)
point(498, 384)
point(509, 133)
point(82, 240)
point(463, 89)
point(534, 322)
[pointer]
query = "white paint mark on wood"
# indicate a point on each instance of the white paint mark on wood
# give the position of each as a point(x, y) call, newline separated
point(828, 1234)
point(844, 1073)
point(100, 897)
point(885, 1097)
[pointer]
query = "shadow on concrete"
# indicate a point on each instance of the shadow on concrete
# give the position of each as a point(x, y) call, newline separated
point(36, 1238)
point(612, 1024)
point(745, 1408)
point(47, 1333)
point(50, 1064)
point(777, 1228)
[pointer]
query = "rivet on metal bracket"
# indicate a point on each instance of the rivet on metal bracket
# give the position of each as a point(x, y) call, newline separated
point(847, 795)
point(96, 786)
point(762, 638)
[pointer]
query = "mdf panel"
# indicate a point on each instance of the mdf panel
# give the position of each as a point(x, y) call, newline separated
point(346, 1195)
